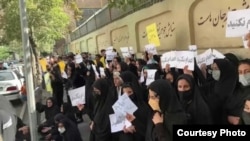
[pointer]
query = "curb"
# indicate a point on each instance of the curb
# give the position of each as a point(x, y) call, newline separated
point(23, 110)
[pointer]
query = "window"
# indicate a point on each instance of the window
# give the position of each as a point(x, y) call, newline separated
point(4, 76)
point(19, 76)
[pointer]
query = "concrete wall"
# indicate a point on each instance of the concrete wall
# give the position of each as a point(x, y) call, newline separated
point(180, 23)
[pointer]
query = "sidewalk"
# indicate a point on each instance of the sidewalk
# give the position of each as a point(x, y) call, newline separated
point(83, 126)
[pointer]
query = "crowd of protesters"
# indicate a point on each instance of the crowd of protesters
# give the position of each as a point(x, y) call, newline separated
point(209, 95)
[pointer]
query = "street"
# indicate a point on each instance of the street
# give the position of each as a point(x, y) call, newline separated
point(22, 111)
point(19, 107)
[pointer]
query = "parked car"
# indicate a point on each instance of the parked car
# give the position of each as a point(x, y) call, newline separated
point(11, 82)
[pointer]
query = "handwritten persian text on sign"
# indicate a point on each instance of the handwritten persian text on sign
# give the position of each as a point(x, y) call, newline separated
point(150, 48)
point(150, 76)
point(185, 58)
point(78, 59)
point(77, 96)
point(168, 58)
point(124, 105)
point(238, 23)
point(118, 122)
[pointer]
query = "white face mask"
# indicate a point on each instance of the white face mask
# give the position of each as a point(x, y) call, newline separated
point(244, 79)
point(61, 130)
point(88, 67)
point(216, 74)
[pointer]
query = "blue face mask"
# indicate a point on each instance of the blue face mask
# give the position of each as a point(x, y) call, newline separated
point(216, 75)
point(88, 67)
point(244, 79)
point(246, 118)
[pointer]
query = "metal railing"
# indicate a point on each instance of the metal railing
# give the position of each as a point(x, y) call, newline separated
point(105, 16)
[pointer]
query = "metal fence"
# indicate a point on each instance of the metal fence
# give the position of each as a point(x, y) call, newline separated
point(106, 16)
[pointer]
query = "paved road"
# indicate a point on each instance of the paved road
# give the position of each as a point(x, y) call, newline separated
point(84, 128)
point(22, 111)
point(18, 105)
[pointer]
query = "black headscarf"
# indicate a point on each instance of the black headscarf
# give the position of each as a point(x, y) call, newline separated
point(219, 92)
point(172, 72)
point(169, 102)
point(225, 87)
point(170, 107)
point(232, 58)
point(129, 78)
point(72, 133)
point(103, 86)
point(246, 115)
point(58, 117)
point(68, 112)
point(194, 104)
point(142, 111)
point(124, 66)
point(50, 112)
point(103, 107)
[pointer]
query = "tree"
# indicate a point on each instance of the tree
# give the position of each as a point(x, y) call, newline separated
point(4, 53)
point(47, 22)
point(124, 4)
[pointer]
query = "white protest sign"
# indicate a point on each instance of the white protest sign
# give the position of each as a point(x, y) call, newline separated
point(78, 59)
point(193, 48)
point(64, 75)
point(142, 77)
point(77, 96)
point(109, 49)
point(238, 23)
point(168, 58)
point(94, 68)
point(102, 71)
point(110, 54)
point(185, 58)
point(205, 58)
point(150, 76)
point(124, 105)
point(125, 52)
point(151, 48)
point(131, 50)
point(117, 122)
point(217, 54)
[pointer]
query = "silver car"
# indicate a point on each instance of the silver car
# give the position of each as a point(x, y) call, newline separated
point(11, 82)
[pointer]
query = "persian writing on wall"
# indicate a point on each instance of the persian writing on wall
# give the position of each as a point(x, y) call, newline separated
point(209, 23)
point(219, 19)
point(120, 37)
point(164, 30)
point(102, 41)
point(165, 27)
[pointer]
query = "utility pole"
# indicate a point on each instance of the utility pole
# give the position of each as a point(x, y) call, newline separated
point(28, 71)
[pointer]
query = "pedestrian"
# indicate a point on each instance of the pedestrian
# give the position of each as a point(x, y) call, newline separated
point(23, 95)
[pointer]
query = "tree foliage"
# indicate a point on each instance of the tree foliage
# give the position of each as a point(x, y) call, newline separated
point(4, 53)
point(124, 4)
point(72, 4)
point(47, 20)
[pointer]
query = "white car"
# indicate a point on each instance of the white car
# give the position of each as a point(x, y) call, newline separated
point(11, 82)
